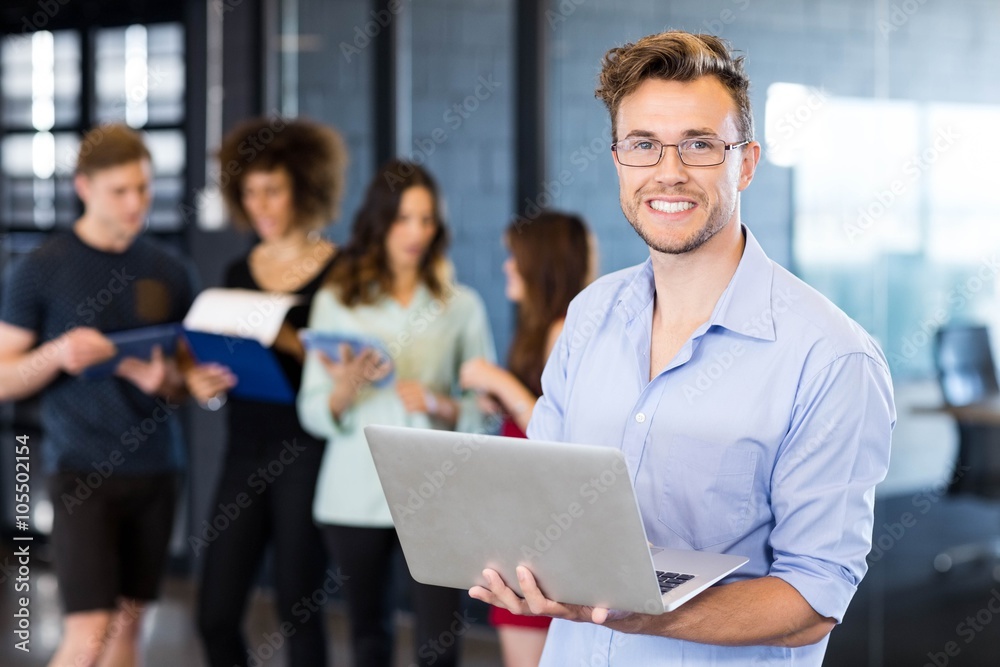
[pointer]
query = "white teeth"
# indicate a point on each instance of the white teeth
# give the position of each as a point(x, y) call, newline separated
point(670, 207)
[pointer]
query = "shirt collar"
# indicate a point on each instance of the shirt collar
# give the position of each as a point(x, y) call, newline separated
point(745, 307)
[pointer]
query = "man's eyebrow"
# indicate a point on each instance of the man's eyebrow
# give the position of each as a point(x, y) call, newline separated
point(641, 133)
point(687, 134)
point(701, 132)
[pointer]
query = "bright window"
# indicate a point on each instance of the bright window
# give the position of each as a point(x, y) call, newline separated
point(891, 213)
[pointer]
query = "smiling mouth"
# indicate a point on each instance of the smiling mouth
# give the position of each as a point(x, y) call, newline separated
point(671, 207)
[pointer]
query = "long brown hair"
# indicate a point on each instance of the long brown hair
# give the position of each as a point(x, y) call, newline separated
point(553, 254)
point(360, 273)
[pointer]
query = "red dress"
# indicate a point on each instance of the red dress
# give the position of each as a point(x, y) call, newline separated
point(500, 616)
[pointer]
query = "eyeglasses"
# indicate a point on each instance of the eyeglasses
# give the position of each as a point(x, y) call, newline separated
point(694, 152)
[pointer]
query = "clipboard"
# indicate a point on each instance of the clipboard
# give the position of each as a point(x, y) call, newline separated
point(236, 328)
point(138, 343)
point(259, 375)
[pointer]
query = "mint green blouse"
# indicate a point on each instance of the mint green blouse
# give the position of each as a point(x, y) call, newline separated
point(428, 341)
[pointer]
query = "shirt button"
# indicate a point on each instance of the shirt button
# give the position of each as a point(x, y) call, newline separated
point(640, 417)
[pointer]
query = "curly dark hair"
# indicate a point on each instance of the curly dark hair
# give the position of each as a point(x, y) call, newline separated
point(360, 273)
point(313, 154)
point(674, 56)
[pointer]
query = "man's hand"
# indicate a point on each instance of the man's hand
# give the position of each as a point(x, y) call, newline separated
point(766, 611)
point(153, 377)
point(534, 603)
point(82, 347)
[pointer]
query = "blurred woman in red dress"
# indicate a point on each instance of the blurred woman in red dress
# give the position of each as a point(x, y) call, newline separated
point(551, 259)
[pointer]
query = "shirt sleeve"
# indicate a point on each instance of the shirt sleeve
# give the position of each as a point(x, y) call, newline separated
point(823, 483)
point(21, 304)
point(476, 340)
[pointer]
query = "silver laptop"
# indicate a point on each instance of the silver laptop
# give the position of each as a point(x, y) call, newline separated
point(463, 502)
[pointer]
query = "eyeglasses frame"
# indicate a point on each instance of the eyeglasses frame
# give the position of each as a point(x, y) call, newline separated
point(726, 148)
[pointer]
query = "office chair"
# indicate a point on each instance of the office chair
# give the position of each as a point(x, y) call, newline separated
point(967, 375)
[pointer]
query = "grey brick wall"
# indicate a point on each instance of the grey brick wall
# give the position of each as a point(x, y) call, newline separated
point(335, 86)
point(461, 118)
point(462, 86)
point(925, 50)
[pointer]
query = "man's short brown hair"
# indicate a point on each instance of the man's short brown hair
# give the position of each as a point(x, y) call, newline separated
point(109, 146)
point(314, 156)
point(674, 56)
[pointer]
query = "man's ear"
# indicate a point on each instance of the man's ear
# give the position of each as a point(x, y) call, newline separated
point(81, 183)
point(748, 164)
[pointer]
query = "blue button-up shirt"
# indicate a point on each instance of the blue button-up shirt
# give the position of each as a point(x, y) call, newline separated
point(765, 436)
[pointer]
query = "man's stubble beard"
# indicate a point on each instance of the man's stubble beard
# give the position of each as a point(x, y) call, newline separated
point(718, 218)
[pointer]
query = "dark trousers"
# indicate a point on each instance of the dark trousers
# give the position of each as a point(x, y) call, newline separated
point(279, 513)
point(365, 557)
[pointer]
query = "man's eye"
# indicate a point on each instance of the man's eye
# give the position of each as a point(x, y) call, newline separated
point(643, 146)
point(699, 145)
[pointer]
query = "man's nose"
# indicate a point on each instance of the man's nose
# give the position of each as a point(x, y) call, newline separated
point(670, 169)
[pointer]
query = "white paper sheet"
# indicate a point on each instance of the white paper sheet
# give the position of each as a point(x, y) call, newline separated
point(240, 313)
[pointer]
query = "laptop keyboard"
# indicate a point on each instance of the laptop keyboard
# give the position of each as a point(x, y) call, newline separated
point(671, 580)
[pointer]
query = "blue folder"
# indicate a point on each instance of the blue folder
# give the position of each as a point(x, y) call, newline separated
point(138, 343)
point(259, 375)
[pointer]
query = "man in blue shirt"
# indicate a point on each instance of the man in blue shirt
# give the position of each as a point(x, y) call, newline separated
point(754, 415)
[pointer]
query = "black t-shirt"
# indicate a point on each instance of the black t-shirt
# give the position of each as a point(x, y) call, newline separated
point(94, 423)
point(254, 417)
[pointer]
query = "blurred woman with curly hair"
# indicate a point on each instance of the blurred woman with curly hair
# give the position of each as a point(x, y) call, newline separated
point(282, 180)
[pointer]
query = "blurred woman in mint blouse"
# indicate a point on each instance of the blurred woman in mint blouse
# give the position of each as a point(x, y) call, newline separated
point(393, 282)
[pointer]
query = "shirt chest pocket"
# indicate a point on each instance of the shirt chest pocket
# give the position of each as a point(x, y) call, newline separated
point(706, 491)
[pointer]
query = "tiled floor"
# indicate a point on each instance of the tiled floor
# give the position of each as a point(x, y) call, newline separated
point(170, 634)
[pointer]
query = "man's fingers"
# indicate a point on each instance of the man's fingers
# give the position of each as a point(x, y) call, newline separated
point(499, 594)
point(537, 602)
point(540, 605)
point(98, 344)
point(483, 594)
point(504, 596)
